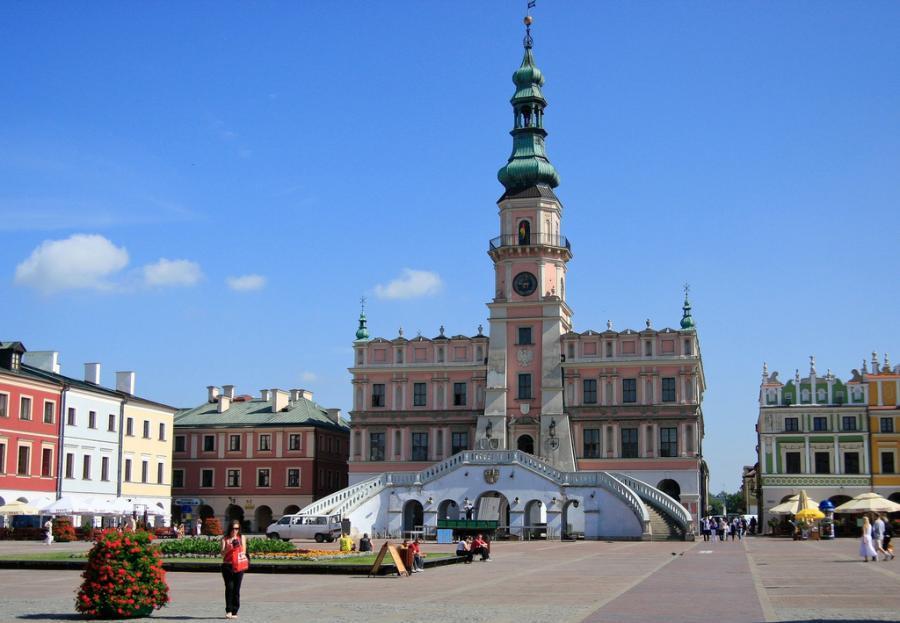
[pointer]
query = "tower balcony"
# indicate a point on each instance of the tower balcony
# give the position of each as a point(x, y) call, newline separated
point(530, 241)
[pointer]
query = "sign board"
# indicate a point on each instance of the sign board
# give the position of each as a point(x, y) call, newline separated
point(187, 501)
point(388, 548)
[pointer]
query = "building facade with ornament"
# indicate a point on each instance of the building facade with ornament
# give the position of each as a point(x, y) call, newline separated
point(252, 459)
point(529, 390)
point(882, 384)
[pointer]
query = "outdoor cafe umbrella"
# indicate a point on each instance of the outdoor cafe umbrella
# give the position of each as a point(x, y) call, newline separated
point(809, 514)
point(19, 508)
point(792, 505)
point(70, 506)
point(868, 503)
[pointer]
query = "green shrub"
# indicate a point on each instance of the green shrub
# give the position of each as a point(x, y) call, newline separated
point(268, 546)
point(194, 547)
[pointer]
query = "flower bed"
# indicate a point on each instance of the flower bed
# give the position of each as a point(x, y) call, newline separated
point(205, 548)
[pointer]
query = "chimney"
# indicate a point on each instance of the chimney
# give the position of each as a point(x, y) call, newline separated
point(212, 393)
point(334, 415)
point(92, 373)
point(125, 382)
point(306, 394)
point(224, 403)
point(296, 395)
point(46, 360)
point(228, 390)
point(264, 394)
point(279, 399)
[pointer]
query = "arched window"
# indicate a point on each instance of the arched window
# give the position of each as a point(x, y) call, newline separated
point(524, 232)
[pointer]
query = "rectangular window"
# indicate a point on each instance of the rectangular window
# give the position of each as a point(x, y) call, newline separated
point(687, 347)
point(376, 446)
point(459, 395)
point(293, 477)
point(592, 443)
point(265, 443)
point(234, 443)
point(648, 349)
point(294, 441)
point(668, 441)
point(180, 443)
point(459, 441)
point(104, 468)
point(92, 419)
point(162, 431)
point(820, 423)
point(46, 462)
point(86, 467)
point(589, 391)
point(70, 416)
point(48, 412)
point(524, 387)
point(849, 422)
point(206, 478)
point(668, 389)
point(851, 462)
point(160, 473)
point(823, 462)
point(419, 391)
point(25, 408)
point(629, 443)
point(420, 446)
point(177, 478)
point(70, 465)
point(887, 463)
point(145, 472)
point(146, 429)
point(234, 478)
point(24, 465)
point(2, 458)
point(629, 390)
point(378, 394)
point(127, 470)
point(263, 477)
point(792, 462)
point(525, 335)
point(4, 405)
point(209, 443)
point(111, 423)
point(791, 424)
point(609, 349)
point(887, 425)
point(129, 427)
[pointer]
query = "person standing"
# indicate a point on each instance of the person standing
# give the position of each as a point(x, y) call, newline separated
point(233, 544)
point(878, 536)
point(48, 532)
point(753, 525)
point(704, 528)
point(865, 545)
point(888, 535)
point(198, 527)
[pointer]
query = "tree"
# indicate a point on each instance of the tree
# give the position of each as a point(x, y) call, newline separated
point(734, 503)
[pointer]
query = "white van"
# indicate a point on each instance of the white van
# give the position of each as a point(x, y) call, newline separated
point(319, 527)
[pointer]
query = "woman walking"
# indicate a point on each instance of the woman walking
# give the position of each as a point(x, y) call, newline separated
point(866, 549)
point(234, 563)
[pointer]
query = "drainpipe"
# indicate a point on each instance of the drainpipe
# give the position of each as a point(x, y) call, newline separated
point(62, 440)
point(121, 453)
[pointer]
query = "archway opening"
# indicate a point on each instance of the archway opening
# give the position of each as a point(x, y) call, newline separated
point(524, 232)
point(786, 498)
point(573, 520)
point(670, 488)
point(525, 443)
point(205, 511)
point(233, 513)
point(448, 509)
point(844, 523)
point(895, 497)
point(263, 517)
point(493, 506)
point(293, 509)
point(535, 520)
point(413, 516)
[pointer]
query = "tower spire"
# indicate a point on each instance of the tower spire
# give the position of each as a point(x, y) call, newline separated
point(528, 165)
point(362, 333)
point(687, 322)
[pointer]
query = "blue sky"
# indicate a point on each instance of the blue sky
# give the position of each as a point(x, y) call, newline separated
point(310, 152)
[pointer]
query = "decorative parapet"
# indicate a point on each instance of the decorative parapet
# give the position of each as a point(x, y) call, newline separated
point(812, 480)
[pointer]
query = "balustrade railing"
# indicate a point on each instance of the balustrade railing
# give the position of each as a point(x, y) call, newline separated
point(657, 498)
point(531, 240)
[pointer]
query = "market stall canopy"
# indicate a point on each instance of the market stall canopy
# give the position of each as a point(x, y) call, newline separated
point(868, 503)
point(113, 507)
point(19, 508)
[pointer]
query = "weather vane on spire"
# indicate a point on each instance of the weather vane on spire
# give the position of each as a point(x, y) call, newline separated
point(528, 41)
point(362, 304)
point(687, 289)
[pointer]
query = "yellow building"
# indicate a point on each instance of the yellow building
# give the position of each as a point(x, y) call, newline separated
point(883, 388)
point(145, 473)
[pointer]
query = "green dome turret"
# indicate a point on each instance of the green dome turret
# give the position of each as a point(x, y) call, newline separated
point(362, 333)
point(687, 322)
point(528, 165)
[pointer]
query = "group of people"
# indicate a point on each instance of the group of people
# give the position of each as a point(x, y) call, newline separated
point(346, 544)
point(876, 538)
point(468, 548)
point(718, 529)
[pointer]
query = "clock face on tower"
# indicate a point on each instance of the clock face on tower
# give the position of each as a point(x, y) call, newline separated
point(525, 284)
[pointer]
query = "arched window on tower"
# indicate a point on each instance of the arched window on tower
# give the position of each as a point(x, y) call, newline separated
point(524, 232)
point(526, 114)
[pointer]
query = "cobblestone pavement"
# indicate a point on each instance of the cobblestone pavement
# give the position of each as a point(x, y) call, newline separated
point(758, 580)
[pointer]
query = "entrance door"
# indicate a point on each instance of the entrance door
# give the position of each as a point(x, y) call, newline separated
point(525, 443)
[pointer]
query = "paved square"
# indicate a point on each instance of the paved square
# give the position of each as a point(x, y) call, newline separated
point(757, 580)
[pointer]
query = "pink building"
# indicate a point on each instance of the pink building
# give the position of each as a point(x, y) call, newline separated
point(625, 401)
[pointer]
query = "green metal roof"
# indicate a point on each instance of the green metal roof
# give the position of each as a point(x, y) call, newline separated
point(257, 412)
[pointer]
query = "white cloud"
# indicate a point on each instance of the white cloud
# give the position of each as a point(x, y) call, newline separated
point(81, 261)
point(308, 377)
point(172, 273)
point(246, 283)
point(410, 284)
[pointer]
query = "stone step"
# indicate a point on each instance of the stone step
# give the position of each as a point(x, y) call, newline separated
point(663, 527)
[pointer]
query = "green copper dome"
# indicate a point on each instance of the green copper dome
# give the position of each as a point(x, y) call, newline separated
point(528, 165)
point(687, 322)
point(362, 333)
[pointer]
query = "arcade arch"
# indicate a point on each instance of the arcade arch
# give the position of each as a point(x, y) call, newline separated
point(670, 488)
point(448, 509)
point(293, 509)
point(263, 517)
point(413, 516)
point(493, 505)
point(572, 519)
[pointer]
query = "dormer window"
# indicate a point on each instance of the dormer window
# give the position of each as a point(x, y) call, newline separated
point(16, 361)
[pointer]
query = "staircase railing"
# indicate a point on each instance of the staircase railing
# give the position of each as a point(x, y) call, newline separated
point(660, 500)
point(328, 504)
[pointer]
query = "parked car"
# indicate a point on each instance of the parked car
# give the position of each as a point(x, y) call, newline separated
point(319, 527)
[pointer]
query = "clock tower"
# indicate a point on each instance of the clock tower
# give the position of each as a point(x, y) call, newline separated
point(524, 407)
